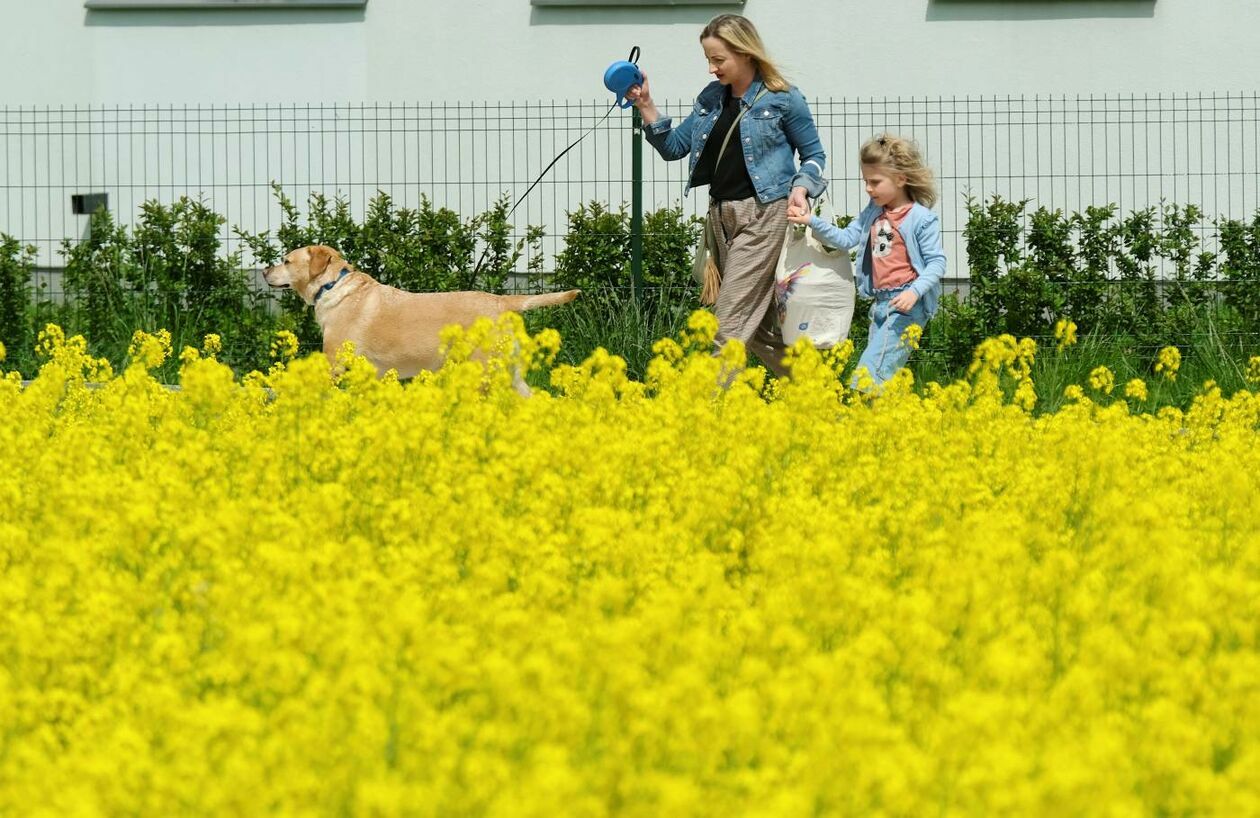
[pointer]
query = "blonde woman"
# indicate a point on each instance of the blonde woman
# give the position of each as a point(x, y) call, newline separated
point(900, 259)
point(741, 136)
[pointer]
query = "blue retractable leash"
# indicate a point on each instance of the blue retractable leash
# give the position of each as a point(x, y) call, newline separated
point(620, 77)
point(623, 75)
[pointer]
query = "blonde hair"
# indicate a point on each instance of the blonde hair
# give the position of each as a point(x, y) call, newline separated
point(741, 36)
point(901, 156)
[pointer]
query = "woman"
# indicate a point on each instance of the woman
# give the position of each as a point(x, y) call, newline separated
point(755, 179)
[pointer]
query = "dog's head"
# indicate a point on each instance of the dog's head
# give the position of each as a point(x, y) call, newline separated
point(304, 268)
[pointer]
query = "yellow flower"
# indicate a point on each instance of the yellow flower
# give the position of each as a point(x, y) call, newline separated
point(211, 345)
point(702, 327)
point(911, 336)
point(1253, 370)
point(1065, 333)
point(1102, 380)
point(669, 350)
point(992, 354)
point(284, 346)
point(1135, 389)
point(51, 338)
point(354, 371)
point(149, 351)
point(864, 382)
point(1025, 396)
point(1168, 362)
point(694, 597)
point(838, 356)
point(544, 346)
point(1025, 355)
point(2, 351)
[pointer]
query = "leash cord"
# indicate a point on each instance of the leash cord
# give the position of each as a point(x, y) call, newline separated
point(560, 155)
point(634, 58)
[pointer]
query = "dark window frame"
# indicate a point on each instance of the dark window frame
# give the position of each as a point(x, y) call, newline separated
point(627, 3)
point(198, 5)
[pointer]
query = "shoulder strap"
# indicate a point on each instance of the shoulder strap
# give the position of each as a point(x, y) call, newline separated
point(735, 125)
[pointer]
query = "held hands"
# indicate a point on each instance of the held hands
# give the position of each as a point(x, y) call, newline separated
point(904, 301)
point(798, 211)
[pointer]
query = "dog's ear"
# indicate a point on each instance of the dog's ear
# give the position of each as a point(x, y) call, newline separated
point(320, 257)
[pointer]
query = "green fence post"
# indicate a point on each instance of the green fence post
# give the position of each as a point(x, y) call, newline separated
point(636, 205)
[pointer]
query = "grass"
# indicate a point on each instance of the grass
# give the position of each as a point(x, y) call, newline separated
point(628, 326)
point(618, 322)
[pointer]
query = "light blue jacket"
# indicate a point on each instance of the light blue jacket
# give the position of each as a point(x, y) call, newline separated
point(775, 126)
point(920, 230)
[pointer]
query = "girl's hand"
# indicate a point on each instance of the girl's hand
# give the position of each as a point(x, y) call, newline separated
point(904, 301)
point(798, 215)
point(798, 201)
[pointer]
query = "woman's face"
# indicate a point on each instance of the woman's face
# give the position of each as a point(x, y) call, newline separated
point(727, 67)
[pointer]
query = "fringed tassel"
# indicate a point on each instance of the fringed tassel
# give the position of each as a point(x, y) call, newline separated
point(712, 281)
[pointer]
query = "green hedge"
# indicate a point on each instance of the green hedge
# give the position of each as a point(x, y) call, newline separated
point(170, 271)
point(1142, 279)
point(1099, 267)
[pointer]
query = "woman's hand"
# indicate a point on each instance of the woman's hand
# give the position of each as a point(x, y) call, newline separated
point(798, 202)
point(641, 96)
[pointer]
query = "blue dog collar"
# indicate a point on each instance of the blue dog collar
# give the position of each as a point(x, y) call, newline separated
point(345, 271)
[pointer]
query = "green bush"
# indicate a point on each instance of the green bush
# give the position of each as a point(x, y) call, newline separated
point(168, 273)
point(1240, 267)
point(17, 262)
point(1098, 267)
point(596, 259)
point(596, 252)
point(1103, 270)
point(597, 248)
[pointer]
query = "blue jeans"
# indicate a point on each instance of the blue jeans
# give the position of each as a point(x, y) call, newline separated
point(885, 353)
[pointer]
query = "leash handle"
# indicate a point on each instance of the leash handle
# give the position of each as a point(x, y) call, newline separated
point(634, 55)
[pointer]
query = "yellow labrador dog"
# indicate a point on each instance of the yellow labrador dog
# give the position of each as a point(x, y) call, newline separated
point(392, 328)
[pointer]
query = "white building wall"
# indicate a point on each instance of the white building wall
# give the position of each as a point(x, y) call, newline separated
point(476, 50)
point(1066, 102)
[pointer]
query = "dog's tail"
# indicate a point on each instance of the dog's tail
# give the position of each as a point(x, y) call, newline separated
point(520, 303)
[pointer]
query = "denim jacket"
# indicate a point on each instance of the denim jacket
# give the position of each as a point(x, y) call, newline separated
point(921, 231)
point(775, 126)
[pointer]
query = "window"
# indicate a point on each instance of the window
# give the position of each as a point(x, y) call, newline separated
point(636, 2)
point(224, 4)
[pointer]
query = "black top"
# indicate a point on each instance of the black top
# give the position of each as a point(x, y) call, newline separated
point(730, 180)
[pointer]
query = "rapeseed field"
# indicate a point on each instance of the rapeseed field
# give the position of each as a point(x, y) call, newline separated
point(293, 593)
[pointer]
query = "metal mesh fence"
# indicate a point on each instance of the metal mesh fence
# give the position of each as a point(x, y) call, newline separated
point(1064, 152)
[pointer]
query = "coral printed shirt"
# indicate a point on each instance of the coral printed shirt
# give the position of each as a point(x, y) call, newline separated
point(890, 263)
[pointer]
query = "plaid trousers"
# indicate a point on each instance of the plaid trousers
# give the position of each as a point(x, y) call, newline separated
point(749, 240)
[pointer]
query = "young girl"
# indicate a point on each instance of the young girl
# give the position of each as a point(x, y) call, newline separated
point(900, 260)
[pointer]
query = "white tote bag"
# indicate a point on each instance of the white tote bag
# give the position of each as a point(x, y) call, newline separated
point(813, 287)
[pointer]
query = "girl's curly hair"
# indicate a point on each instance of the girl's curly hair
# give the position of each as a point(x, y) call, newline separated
point(901, 156)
